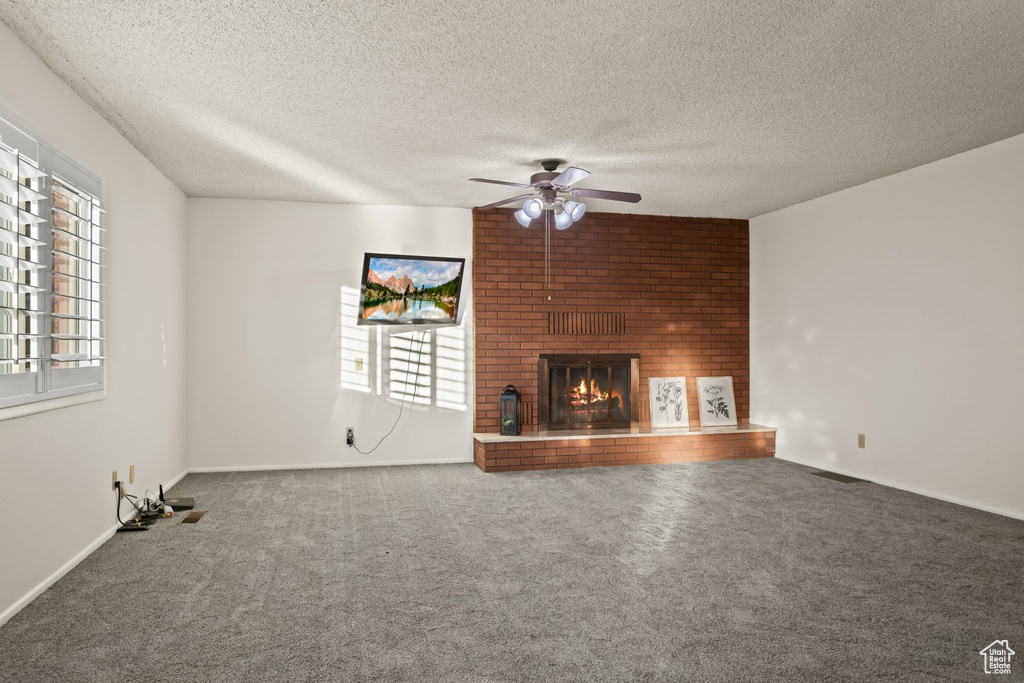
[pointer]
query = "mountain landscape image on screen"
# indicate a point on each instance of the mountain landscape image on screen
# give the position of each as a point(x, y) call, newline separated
point(401, 290)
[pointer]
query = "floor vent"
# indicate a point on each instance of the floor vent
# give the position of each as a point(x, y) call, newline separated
point(841, 478)
point(193, 517)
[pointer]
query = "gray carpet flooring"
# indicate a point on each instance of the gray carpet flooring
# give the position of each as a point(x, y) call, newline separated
point(739, 571)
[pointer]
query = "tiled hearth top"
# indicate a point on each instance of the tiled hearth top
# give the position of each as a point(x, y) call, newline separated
point(635, 432)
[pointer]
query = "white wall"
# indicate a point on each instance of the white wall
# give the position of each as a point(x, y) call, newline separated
point(65, 456)
point(265, 376)
point(896, 309)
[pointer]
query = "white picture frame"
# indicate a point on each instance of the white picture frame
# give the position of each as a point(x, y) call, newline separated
point(668, 402)
point(716, 402)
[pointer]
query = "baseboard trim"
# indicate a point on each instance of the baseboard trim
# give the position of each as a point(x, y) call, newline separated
point(56, 576)
point(330, 465)
point(178, 478)
point(909, 489)
point(53, 578)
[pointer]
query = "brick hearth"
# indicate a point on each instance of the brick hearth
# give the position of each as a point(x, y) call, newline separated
point(546, 451)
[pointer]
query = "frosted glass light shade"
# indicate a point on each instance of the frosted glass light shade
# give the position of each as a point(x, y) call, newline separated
point(575, 210)
point(532, 208)
point(523, 218)
point(563, 220)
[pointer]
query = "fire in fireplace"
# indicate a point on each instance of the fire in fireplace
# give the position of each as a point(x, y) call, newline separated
point(588, 391)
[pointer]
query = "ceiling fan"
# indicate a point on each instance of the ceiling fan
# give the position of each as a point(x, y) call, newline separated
point(551, 190)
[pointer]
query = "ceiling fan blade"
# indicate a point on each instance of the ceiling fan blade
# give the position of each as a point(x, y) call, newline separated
point(499, 182)
point(606, 194)
point(507, 201)
point(569, 176)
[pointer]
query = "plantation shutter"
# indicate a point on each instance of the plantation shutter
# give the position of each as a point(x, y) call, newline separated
point(23, 265)
point(77, 325)
point(51, 263)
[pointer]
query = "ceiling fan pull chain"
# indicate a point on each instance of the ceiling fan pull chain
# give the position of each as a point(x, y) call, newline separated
point(547, 251)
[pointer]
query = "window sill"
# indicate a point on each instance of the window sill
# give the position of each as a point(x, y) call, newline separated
point(51, 404)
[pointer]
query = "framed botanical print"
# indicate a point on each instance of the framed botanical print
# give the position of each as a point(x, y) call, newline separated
point(668, 402)
point(716, 400)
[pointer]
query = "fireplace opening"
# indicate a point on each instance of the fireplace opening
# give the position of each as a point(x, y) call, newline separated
point(592, 391)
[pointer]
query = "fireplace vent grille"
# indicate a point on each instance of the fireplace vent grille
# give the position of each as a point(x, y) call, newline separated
point(586, 324)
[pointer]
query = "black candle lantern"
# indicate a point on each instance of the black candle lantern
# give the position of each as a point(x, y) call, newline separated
point(508, 409)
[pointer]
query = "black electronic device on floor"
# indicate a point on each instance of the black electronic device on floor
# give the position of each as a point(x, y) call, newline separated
point(177, 503)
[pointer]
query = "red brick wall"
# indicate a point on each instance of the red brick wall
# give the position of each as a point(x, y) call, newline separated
point(682, 283)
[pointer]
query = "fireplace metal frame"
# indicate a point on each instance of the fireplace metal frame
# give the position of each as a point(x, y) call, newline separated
point(548, 361)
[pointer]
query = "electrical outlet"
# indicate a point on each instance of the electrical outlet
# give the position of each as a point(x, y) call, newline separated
point(359, 364)
point(113, 481)
point(131, 474)
point(860, 441)
point(350, 437)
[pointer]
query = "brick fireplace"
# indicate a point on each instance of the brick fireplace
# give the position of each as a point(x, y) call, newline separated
point(672, 291)
point(588, 391)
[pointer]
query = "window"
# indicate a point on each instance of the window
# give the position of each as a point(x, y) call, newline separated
point(51, 261)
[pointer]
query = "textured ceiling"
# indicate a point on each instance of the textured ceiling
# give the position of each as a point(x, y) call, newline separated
point(706, 108)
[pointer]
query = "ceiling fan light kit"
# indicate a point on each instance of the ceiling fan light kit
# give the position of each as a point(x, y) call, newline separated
point(565, 215)
point(551, 192)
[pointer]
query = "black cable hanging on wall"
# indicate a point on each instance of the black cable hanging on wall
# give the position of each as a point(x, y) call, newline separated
point(401, 407)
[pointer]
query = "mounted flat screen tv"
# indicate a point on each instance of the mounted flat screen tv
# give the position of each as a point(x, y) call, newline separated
point(410, 290)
